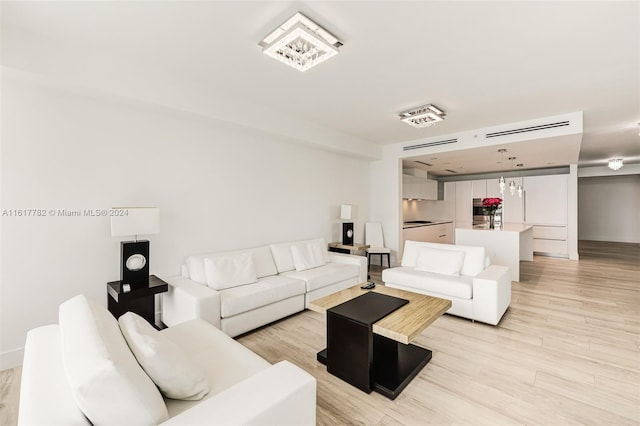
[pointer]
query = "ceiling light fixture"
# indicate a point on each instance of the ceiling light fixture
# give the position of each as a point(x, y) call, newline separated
point(615, 164)
point(300, 43)
point(422, 116)
point(520, 188)
point(501, 182)
point(512, 184)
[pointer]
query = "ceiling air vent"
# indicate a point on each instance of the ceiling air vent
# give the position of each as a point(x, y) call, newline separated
point(428, 144)
point(423, 163)
point(527, 129)
point(450, 171)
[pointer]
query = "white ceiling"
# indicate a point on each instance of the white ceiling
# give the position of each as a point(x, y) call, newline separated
point(484, 63)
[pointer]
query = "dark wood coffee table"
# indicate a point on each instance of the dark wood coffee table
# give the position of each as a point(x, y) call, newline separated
point(368, 337)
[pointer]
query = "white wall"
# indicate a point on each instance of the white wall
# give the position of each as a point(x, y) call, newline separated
point(609, 208)
point(219, 186)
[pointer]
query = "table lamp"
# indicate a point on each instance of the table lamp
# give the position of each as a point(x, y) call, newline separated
point(347, 227)
point(134, 255)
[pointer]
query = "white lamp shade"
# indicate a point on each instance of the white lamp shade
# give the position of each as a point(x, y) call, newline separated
point(135, 221)
point(346, 211)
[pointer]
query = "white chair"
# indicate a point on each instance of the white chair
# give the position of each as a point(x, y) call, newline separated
point(373, 238)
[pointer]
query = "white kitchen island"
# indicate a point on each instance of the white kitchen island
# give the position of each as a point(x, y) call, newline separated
point(506, 246)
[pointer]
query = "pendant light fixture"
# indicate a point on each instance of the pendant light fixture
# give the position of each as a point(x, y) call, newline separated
point(520, 189)
point(512, 184)
point(501, 182)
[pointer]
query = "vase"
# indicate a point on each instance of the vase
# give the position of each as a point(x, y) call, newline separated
point(492, 221)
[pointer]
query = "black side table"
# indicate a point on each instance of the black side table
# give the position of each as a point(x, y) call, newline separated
point(139, 299)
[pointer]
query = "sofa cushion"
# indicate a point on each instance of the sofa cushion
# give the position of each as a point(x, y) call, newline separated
point(108, 384)
point(325, 275)
point(448, 262)
point(229, 270)
point(170, 368)
point(308, 255)
point(460, 287)
point(474, 257)
point(262, 262)
point(284, 259)
point(224, 361)
point(267, 290)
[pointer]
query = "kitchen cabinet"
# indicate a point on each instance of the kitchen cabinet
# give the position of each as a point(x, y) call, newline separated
point(464, 202)
point(546, 199)
point(429, 189)
point(483, 188)
point(550, 240)
point(479, 188)
point(419, 188)
point(438, 233)
point(546, 207)
point(410, 190)
point(493, 188)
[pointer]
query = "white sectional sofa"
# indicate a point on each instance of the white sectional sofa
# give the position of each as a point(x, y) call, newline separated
point(463, 274)
point(241, 290)
point(89, 369)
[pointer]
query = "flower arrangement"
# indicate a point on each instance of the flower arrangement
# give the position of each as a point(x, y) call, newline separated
point(491, 205)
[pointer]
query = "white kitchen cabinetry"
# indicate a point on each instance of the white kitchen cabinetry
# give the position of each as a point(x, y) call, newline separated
point(493, 188)
point(464, 202)
point(410, 189)
point(429, 189)
point(546, 199)
point(546, 207)
point(440, 233)
point(479, 188)
point(450, 192)
point(419, 188)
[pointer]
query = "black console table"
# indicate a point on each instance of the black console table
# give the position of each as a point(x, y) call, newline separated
point(139, 298)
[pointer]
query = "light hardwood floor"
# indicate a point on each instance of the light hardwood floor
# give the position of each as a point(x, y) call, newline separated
point(566, 352)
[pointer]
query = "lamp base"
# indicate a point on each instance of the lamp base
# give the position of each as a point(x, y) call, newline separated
point(134, 266)
point(347, 233)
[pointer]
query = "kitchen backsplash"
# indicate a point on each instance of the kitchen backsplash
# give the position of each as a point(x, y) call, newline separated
point(418, 210)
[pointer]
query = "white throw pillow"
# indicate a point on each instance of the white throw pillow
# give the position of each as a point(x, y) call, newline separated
point(107, 382)
point(230, 270)
point(195, 267)
point(447, 262)
point(308, 255)
point(166, 364)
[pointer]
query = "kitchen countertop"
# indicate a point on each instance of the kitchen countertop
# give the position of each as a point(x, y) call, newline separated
point(433, 222)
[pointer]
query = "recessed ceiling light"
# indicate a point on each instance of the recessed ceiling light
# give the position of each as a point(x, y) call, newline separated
point(422, 116)
point(300, 43)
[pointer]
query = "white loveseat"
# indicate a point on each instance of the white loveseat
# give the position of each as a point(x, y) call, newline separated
point(241, 290)
point(82, 371)
point(463, 274)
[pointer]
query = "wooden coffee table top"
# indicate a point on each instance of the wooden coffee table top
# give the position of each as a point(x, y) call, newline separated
point(402, 325)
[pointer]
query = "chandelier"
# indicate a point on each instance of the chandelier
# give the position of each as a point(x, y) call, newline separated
point(300, 43)
point(422, 116)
